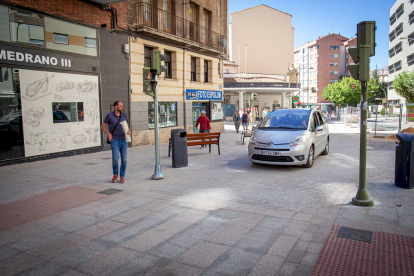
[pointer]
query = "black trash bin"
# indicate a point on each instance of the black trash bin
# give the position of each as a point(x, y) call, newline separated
point(404, 161)
point(179, 148)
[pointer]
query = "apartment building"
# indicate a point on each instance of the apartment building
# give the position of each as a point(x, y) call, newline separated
point(401, 46)
point(320, 63)
point(61, 68)
point(262, 40)
point(193, 36)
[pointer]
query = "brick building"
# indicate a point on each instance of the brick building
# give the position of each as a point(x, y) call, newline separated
point(61, 68)
point(321, 62)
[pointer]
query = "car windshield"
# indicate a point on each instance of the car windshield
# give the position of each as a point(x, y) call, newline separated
point(287, 119)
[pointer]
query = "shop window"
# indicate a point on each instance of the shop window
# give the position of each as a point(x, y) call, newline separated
point(206, 71)
point(168, 73)
point(167, 114)
point(217, 112)
point(193, 69)
point(90, 42)
point(147, 56)
point(66, 112)
point(61, 39)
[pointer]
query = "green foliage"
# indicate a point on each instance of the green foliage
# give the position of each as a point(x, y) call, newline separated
point(342, 94)
point(404, 85)
point(382, 112)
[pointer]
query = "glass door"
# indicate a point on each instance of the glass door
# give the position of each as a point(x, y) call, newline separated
point(197, 108)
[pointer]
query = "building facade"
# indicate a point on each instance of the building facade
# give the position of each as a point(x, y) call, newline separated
point(61, 69)
point(320, 63)
point(401, 46)
point(193, 36)
point(262, 40)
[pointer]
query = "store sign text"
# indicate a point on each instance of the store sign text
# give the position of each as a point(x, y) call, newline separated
point(34, 59)
point(192, 94)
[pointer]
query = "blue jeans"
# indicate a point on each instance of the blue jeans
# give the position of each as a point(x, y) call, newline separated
point(119, 145)
point(203, 131)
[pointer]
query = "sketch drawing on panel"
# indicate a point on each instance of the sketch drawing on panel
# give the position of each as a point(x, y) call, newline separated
point(86, 87)
point(34, 115)
point(93, 134)
point(58, 97)
point(38, 89)
point(43, 137)
point(79, 140)
point(92, 109)
point(64, 85)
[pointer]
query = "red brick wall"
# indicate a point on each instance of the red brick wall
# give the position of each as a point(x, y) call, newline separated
point(77, 10)
point(325, 60)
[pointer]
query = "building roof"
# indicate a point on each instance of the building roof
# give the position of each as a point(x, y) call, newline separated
point(313, 42)
point(240, 77)
point(260, 6)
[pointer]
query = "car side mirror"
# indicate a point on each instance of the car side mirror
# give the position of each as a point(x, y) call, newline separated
point(318, 128)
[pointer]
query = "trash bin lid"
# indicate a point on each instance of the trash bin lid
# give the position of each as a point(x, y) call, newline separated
point(406, 137)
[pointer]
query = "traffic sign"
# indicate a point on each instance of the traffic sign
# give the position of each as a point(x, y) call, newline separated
point(295, 99)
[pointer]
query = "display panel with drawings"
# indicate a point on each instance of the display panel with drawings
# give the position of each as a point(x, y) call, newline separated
point(69, 108)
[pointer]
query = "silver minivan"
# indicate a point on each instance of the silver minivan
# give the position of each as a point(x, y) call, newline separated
point(290, 137)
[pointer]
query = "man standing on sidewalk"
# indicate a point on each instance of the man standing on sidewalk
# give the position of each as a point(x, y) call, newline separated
point(204, 123)
point(116, 136)
point(236, 120)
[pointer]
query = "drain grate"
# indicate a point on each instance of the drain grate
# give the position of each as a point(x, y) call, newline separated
point(110, 191)
point(355, 234)
point(91, 164)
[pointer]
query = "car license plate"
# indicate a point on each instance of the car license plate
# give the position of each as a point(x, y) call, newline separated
point(268, 152)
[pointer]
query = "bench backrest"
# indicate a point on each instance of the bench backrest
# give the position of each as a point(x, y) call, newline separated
point(202, 136)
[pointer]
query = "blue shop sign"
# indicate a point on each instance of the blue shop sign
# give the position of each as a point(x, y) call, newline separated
point(193, 94)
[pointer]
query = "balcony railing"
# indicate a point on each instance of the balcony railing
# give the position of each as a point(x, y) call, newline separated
point(146, 15)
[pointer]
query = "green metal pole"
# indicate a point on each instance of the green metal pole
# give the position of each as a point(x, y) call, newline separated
point(362, 198)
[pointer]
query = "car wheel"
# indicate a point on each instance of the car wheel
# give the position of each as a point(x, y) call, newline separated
point(326, 150)
point(311, 156)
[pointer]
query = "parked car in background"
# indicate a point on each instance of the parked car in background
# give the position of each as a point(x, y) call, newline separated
point(290, 137)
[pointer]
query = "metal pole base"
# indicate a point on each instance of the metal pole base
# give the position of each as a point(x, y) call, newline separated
point(363, 202)
point(158, 175)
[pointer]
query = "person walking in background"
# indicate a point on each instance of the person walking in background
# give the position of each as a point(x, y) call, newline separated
point(117, 139)
point(237, 120)
point(204, 123)
point(245, 120)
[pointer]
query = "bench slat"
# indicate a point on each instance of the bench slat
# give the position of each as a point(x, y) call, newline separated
point(202, 138)
point(202, 143)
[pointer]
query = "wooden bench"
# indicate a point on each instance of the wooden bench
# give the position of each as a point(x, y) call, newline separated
point(196, 139)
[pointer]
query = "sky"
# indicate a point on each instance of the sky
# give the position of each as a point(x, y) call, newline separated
point(312, 19)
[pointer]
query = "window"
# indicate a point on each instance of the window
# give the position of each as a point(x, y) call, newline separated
point(391, 69)
point(193, 69)
point(311, 81)
point(66, 112)
point(311, 73)
point(217, 112)
point(205, 25)
point(168, 73)
point(399, 11)
point(410, 59)
point(411, 39)
point(205, 70)
point(392, 19)
point(399, 29)
point(334, 72)
point(411, 18)
point(397, 65)
point(332, 81)
point(167, 12)
point(148, 11)
point(391, 52)
point(317, 55)
point(316, 47)
point(316, 80)
point(317, 64)
point(147, 56)
point(334, 55)
point(61, 38)
point(311, 57)
point(167, 112)
point(27, 33)
point(334, 64)
point(333, 47)
point(317, 72)
point(90, 42)
point(392, 35)
point(398, 48)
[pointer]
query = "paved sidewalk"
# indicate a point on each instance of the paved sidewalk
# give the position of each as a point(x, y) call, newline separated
point(221, 215)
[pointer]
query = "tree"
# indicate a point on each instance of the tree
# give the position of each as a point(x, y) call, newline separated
point(404, 85)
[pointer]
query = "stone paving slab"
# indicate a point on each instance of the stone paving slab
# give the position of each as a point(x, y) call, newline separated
point(219, 216)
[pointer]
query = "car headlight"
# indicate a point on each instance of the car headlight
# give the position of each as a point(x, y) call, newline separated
point(253, 140)
point(300, 140)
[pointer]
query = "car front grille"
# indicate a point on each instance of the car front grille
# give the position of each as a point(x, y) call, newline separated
point(272, 149)
point(269, 158)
